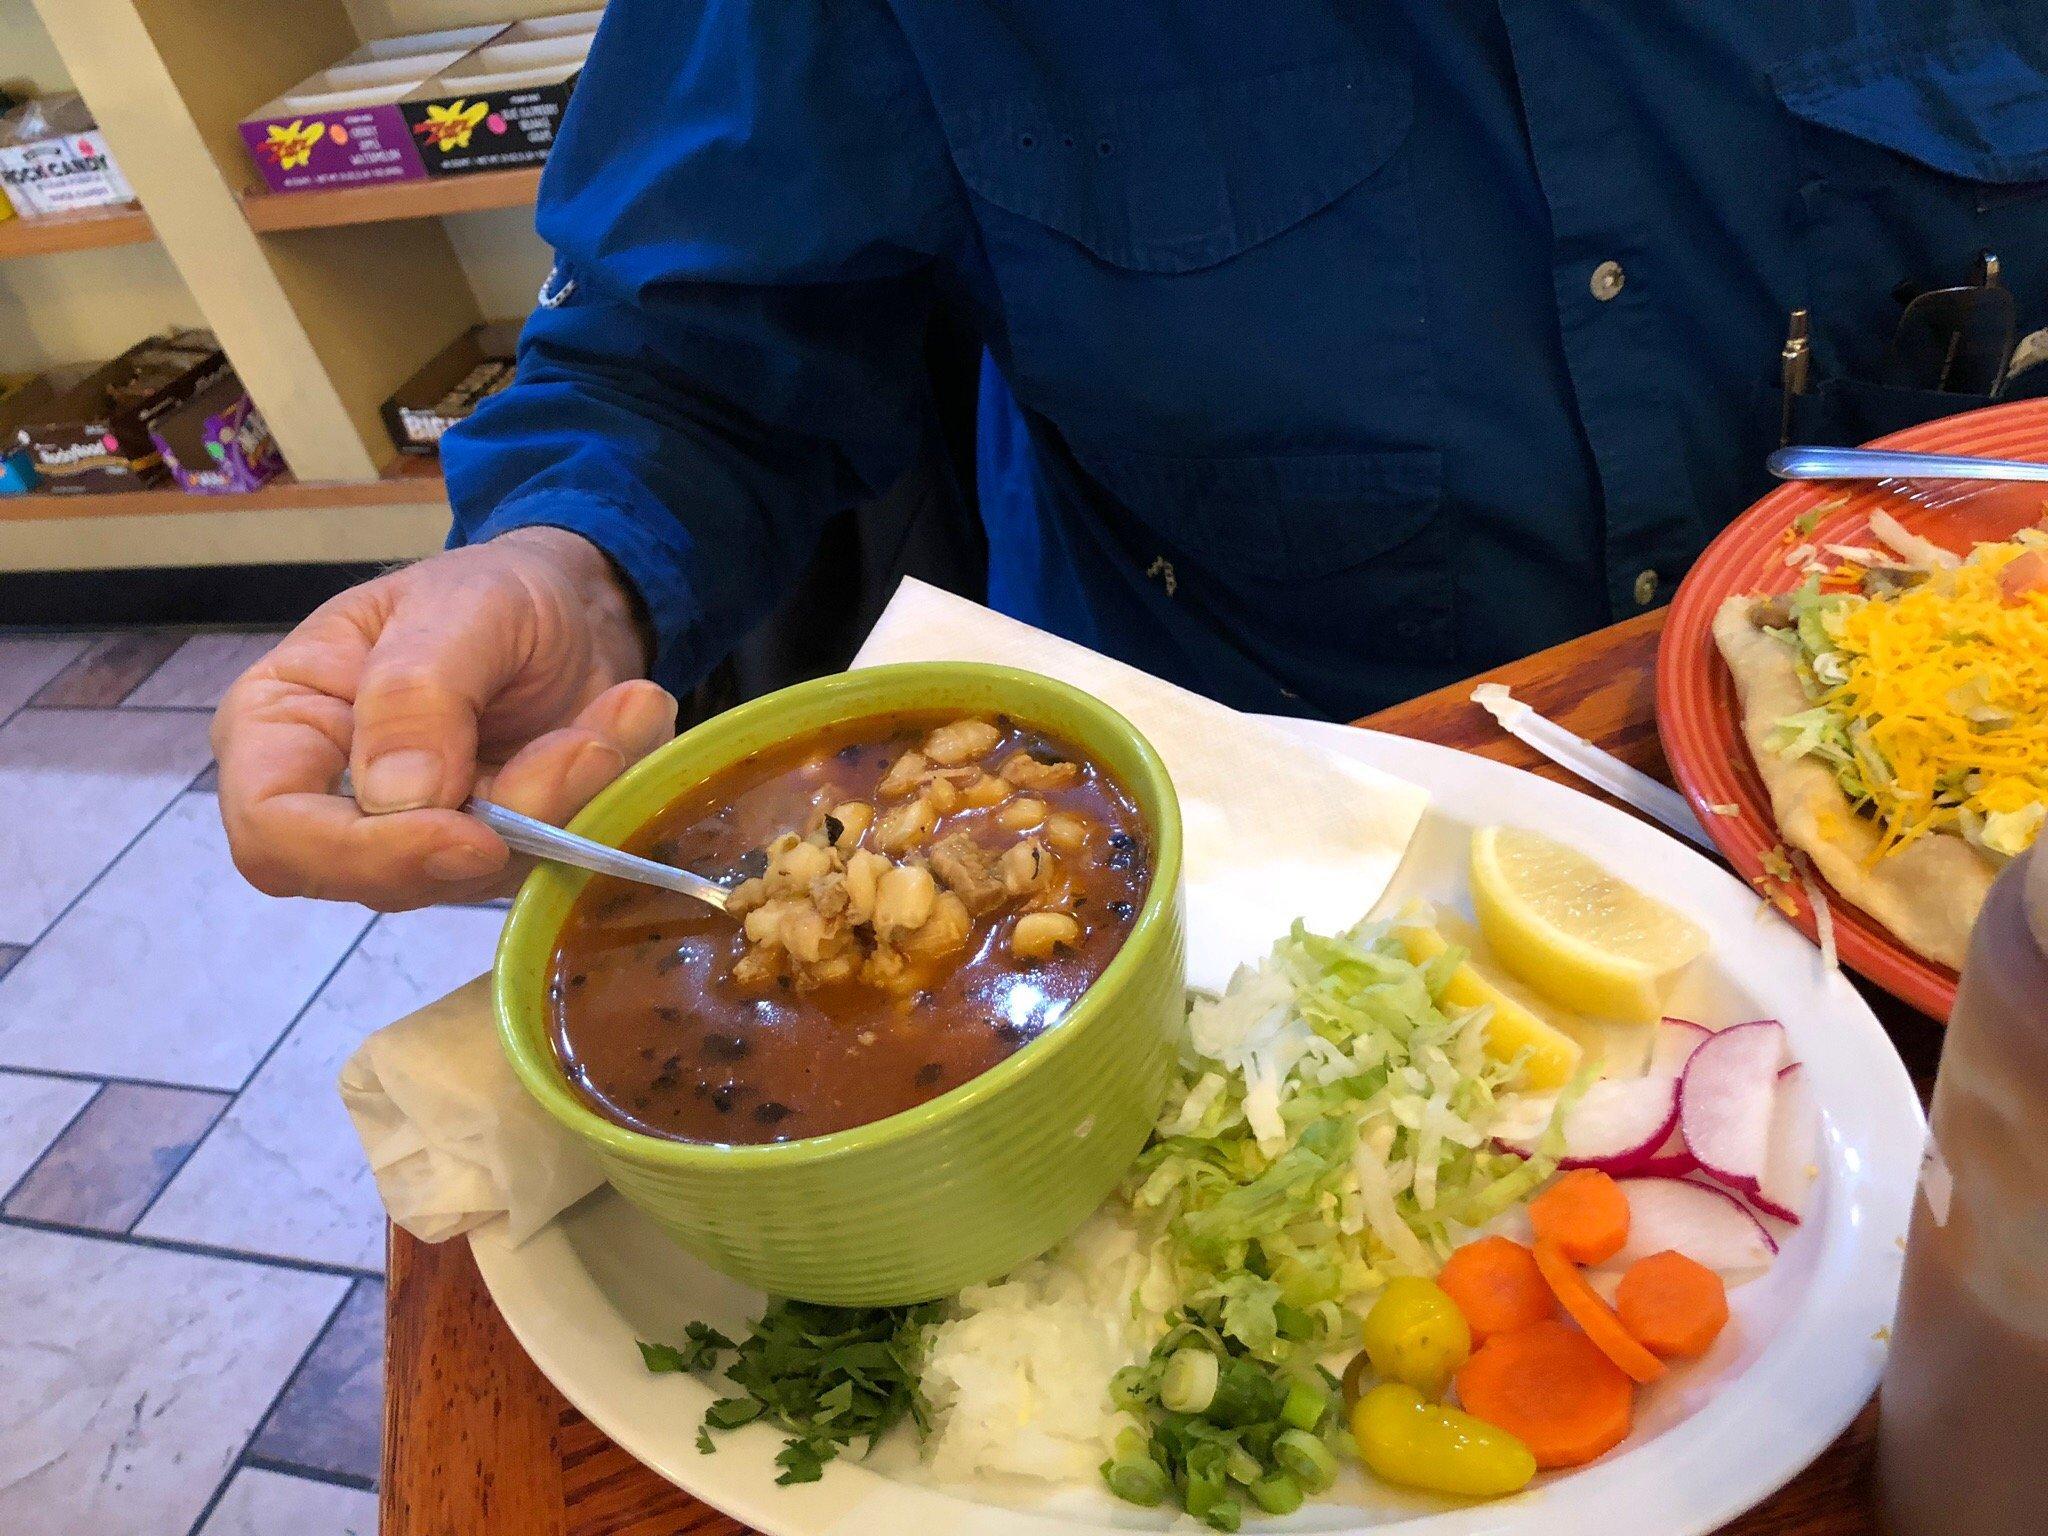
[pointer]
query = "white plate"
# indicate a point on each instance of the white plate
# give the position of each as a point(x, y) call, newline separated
point(1800, 1360)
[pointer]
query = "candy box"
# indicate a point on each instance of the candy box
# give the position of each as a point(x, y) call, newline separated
point(342, 127)
point(94, 436)
point(463, 374)
point(216, 443)
point(53, 160)
point(499, 105)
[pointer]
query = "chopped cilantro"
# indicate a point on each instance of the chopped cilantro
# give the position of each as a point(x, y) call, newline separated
point(826, 1376)
point(700, 1352)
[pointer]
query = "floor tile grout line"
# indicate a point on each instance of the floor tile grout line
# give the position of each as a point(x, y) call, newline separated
point(43, 1156)
point(119, 711)
point(103, 642)
point(285, 1468)
point(192, 1250)
point(298, 1370)
point(152, 672)
point(235, 1463)
point(123, 709)
point(220, 1491)
point(8, 1069)
point(227, 1103)
point(87, 889)
point(22, 707)
point(263, 1061)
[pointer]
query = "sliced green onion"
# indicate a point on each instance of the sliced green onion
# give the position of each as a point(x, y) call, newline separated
point(1293, 1323)
point(1311, 1462)
point(1136, 1481)
point(1131, 1389)
point(1189, 1382)
point(1305, 1405)
point(1246, 1395)
point(1277, 1494)
point(1210, 1500)
point(1206, 1463)
point(1241, 1466)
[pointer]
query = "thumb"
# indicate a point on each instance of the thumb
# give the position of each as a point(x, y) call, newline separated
point(426, 682)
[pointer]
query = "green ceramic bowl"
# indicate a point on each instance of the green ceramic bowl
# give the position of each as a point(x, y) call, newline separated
point(959, 1189)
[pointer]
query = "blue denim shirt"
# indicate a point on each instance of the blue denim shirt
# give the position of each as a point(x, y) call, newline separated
point(1336, 348)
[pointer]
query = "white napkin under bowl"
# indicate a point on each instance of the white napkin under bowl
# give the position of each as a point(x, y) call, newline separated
point(1274, 831)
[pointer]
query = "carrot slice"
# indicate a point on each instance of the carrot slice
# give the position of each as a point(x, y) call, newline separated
point(1584, 1306)
point(1671, 1305)
point(1496, 1284)
point(1585, 1214)
point(1549, 1387)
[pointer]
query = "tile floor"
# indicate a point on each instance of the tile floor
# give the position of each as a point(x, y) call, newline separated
point(191, 1252)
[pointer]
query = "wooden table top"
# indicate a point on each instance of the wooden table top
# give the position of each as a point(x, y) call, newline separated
point(476, 1440)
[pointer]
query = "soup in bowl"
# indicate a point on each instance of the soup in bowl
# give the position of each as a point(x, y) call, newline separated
point(938, 1017)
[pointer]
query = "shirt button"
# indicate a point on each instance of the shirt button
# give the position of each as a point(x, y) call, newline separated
point(1607, 280)
point(1646, 589)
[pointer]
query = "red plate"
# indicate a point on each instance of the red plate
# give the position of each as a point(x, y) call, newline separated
point(1697, 713)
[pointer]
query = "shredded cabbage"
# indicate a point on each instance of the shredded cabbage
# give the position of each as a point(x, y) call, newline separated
point(1332, 1127)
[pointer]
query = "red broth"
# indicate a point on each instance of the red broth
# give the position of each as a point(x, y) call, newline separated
point(668, 1020)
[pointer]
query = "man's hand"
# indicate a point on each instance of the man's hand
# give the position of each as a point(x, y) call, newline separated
point(504, 670)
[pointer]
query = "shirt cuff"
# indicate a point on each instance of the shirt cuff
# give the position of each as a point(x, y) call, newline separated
point(651, 566)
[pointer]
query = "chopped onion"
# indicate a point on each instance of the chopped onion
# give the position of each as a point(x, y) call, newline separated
point(1922, 554)
point(1823, 919)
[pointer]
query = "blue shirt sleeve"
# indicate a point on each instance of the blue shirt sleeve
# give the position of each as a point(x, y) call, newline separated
point(746, 203)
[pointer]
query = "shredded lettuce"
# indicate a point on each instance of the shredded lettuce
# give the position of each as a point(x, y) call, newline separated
point(1332, 1126)
point(1825, 732)
point(2009, 834)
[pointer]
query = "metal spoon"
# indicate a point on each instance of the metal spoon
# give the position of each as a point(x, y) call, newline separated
point(1883, 464)
point(542, 841)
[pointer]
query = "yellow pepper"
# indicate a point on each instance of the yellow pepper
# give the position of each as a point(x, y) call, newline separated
point(1406, 1439)
point(1416, 1334)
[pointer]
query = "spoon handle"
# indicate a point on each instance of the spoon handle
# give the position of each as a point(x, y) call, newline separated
point(545, 842)
point(1882, 464)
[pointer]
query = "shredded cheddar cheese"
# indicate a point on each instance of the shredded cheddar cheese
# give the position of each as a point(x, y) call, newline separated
point(1950, 681)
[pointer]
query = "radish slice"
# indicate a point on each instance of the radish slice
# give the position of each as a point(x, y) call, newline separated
point(1616, 1126)
point(1725, 1101)
point(1673, 1160)
point(1707, 1225)
point(1675, 1042)
point(1788, 1168)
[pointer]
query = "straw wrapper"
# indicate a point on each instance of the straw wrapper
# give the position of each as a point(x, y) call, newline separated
point(1628, 785)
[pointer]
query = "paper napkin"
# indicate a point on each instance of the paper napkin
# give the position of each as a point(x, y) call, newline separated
point(452, 1138)
point(1274, 830)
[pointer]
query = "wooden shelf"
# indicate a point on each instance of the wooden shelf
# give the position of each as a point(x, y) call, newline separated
point(122, 224)
point(406, 482)
point(268, 211)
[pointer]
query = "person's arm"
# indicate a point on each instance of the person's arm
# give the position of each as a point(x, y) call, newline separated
point(746, 201)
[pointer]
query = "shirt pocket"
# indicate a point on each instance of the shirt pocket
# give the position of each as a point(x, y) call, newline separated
point(1289, 519)
point(1223, 267)
point(1918, 150)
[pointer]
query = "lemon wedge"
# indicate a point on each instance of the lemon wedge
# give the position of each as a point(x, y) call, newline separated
point(1550, 1056)
point(1582, 938)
